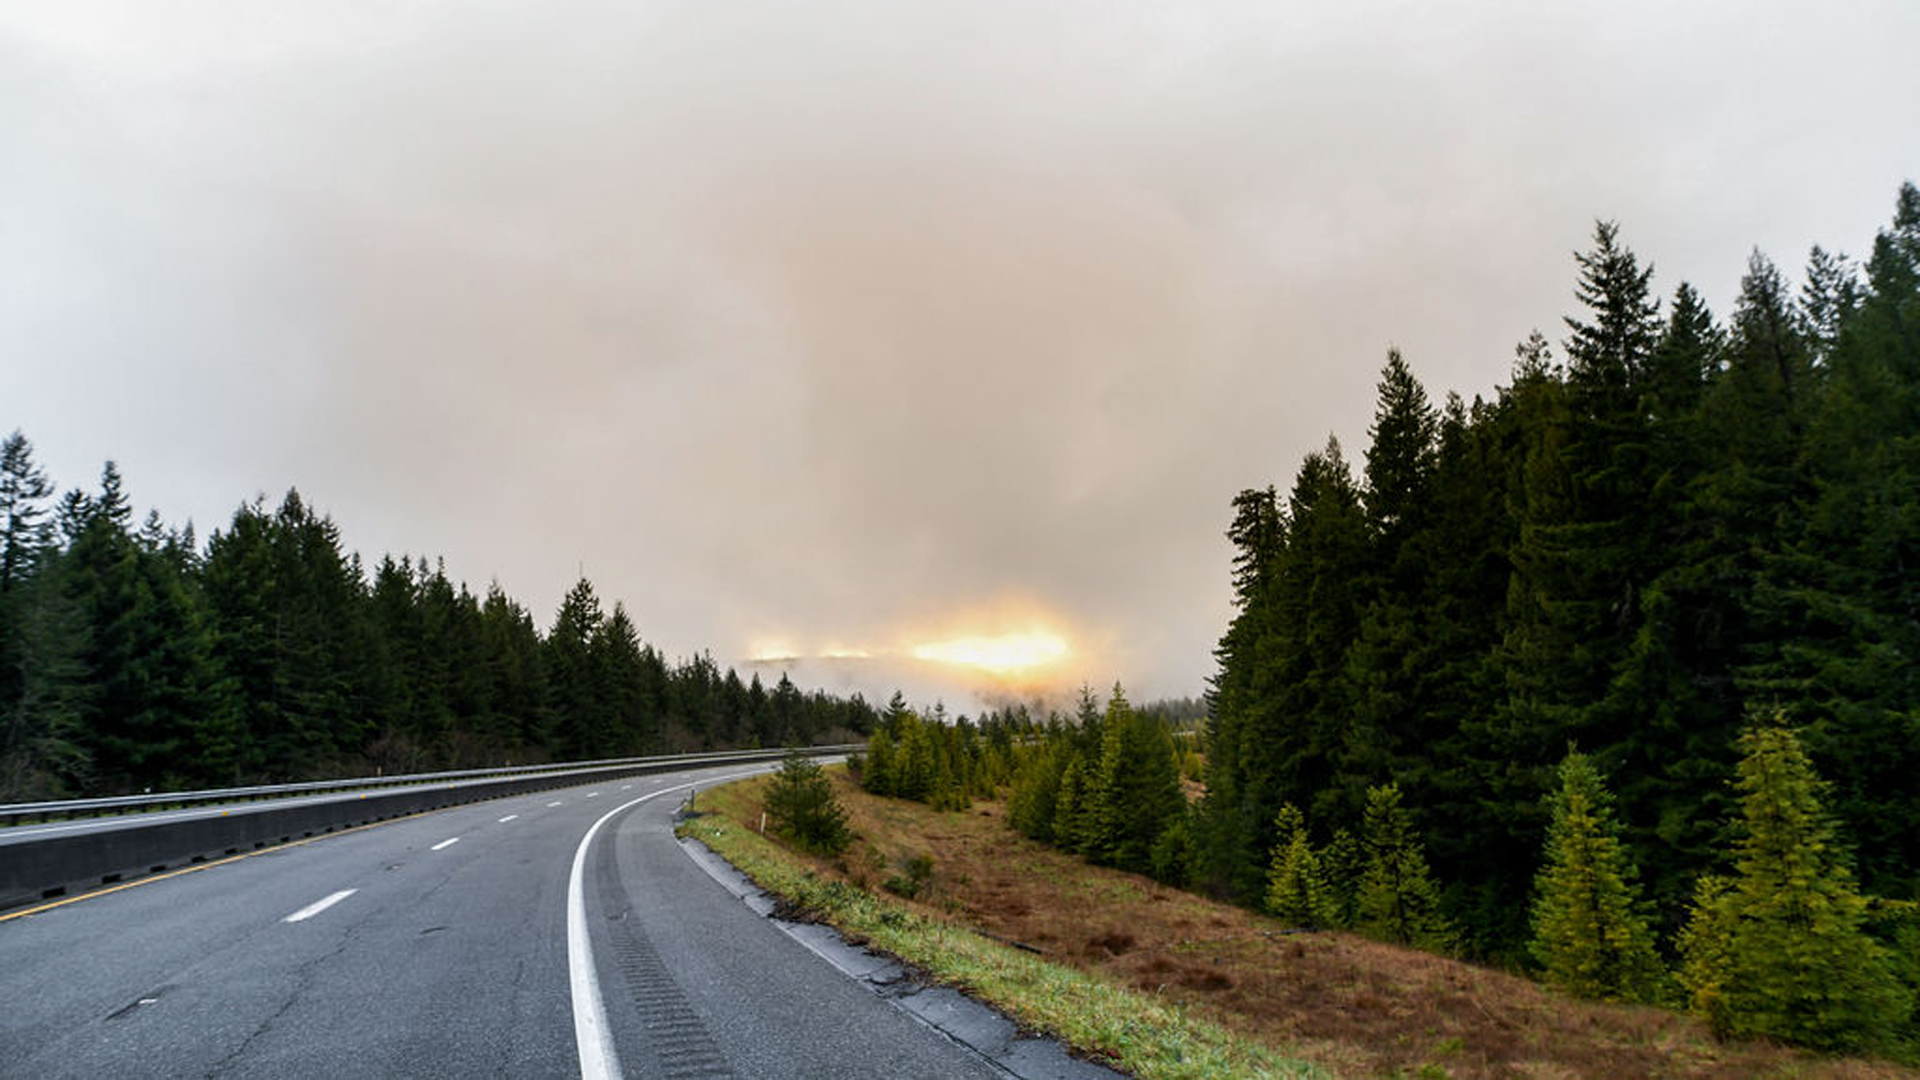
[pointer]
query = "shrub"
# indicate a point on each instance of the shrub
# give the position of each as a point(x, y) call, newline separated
point(919, 872)
point(802, 808)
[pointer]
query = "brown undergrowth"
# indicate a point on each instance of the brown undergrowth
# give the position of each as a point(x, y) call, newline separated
point(1355, 1006)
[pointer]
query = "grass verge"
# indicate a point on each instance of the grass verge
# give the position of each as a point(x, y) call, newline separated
point(1138, 1032)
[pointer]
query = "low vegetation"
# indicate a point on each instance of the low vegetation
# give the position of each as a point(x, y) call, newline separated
point(1162, 982)
point(1141, 1032)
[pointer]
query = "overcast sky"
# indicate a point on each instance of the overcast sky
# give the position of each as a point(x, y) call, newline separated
point(843, 325)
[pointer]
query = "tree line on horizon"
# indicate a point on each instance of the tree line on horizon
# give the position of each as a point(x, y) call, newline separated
point(133, 658)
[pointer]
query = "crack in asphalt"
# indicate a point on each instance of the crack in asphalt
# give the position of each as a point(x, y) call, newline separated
point(302, 978)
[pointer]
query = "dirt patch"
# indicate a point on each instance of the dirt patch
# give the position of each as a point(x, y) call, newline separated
point(1353, 1005)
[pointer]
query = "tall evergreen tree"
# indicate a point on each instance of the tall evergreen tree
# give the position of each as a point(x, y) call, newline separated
point(518, 717)
point(160, 716)
point(1237, 705)
point(1828, 299)
point(620, 672)
point(579, 722)
point(1843, 589)
point(1400, 458)
point(1389, 726)
point(1529, 690)
point(24, 491)
point(1132, 789)
point(46, 751)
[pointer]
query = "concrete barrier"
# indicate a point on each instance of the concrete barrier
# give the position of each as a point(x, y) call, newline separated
point(36, 865)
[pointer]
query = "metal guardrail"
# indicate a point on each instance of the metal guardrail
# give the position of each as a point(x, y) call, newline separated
point(44, 862)
point(59, 809)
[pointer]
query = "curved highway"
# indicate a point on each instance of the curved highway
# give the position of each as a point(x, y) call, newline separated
point(495, 939)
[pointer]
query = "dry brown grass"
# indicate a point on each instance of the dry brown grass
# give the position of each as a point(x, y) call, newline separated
point(1355, 1006)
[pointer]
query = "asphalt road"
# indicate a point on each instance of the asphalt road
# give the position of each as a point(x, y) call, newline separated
point(439, 946)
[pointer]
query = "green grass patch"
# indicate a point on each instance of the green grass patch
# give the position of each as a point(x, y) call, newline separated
point(1136, 1032)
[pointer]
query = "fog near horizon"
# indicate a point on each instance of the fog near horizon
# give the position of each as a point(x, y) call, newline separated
point(830, 331)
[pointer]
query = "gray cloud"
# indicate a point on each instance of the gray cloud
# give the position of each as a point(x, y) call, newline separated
point(847, 322)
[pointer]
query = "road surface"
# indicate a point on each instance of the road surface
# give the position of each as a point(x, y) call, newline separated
point(440, 945)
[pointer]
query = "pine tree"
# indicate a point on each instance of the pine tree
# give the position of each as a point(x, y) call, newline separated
point(1345, 863)
point(1069, 817)
point(1102, 809)
point(46, 752)
point(914, 772)
point(1843, 590)
point(802, 807)
point(161, 714)
point(1397, 899)
point(877, 772)
point(24, 489)
point(1674, 696)
point(620, 685)
point(1529, 691)
point(1780, 949)
point(1297, 890)
point(1400, 459)
point(510, 645)
point(1706, 944)
point(1828, 299)
point(1589, 932)
point(1392, 725)
point(580, 722)
point(1223, 825)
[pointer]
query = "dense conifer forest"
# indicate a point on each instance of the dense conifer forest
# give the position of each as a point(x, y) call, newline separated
point(132, 657)
point(1676, 525)
point(1672, 555)
point(1611, 677)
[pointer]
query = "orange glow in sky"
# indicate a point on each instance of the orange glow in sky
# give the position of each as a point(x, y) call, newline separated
point(1003, 654)
point(1001, 644)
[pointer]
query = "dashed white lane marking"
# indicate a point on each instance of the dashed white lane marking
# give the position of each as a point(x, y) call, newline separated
point(598, 1058)
point(508, 818)
point(551, 805)
point(319, 906)
point(592, 794)
point(446, 843)
point(626, 787)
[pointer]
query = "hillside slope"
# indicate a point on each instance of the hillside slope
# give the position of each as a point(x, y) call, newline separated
point(1352, 1005)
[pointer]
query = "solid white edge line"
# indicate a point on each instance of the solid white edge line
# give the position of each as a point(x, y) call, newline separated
point(445, 844)
point(598, 1058)
point(319, 906)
